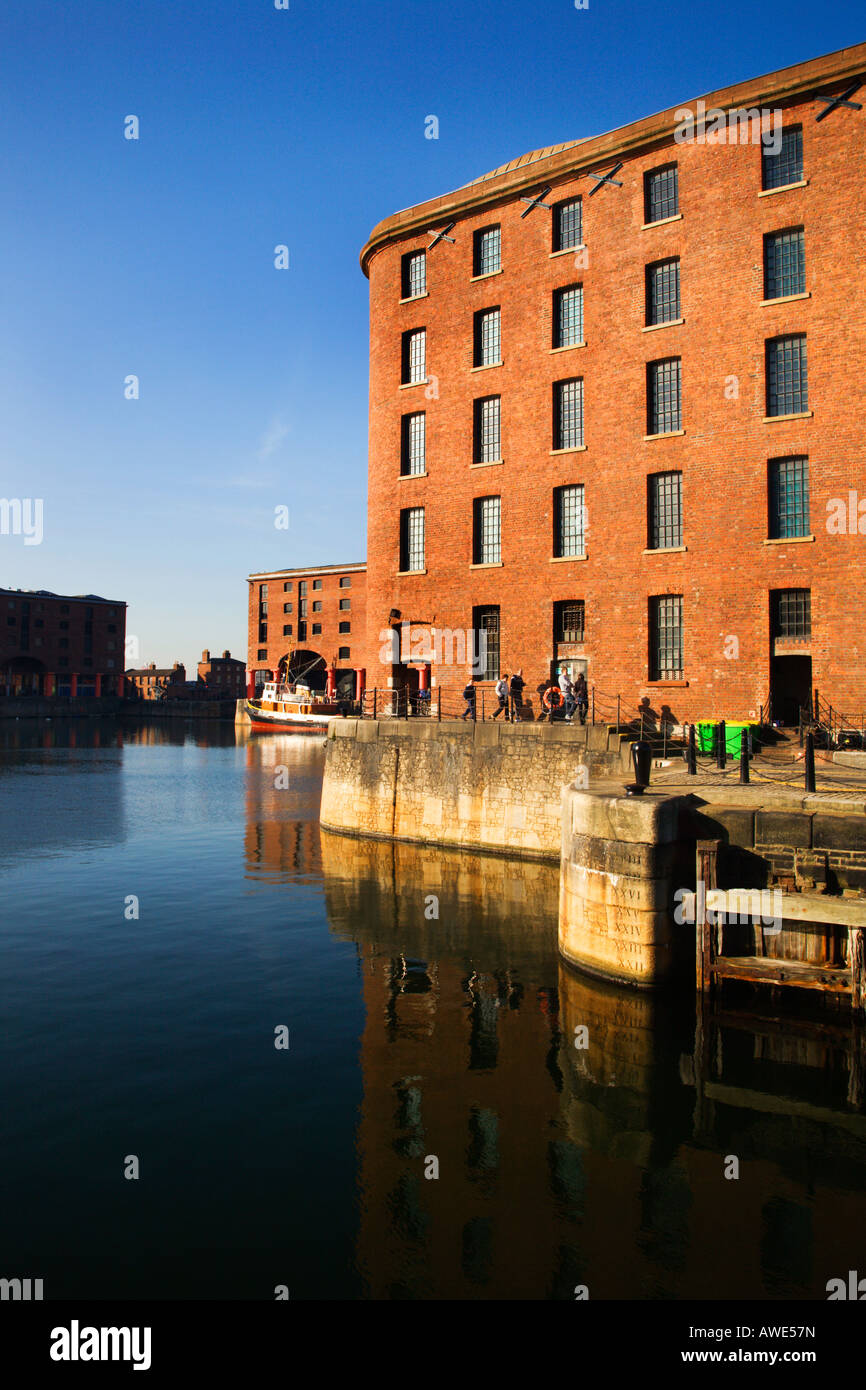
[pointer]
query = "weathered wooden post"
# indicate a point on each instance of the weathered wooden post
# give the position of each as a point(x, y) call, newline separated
point(810, 762)
point(744, 757)
point(857, 960)
point(707, 876)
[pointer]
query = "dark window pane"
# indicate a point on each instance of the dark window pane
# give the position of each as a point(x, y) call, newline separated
point(786, 166)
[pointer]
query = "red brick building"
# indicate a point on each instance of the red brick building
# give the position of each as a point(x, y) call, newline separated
point(222, 675)
point(316, 617)
point(616, 414)
point(60, 644)
point(156, 682)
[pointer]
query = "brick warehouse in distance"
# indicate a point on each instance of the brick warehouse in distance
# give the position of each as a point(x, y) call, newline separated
point(616, 413)
point(317, 617)
point(61, 644)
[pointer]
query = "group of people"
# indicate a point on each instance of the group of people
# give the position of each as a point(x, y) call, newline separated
point(562, 694)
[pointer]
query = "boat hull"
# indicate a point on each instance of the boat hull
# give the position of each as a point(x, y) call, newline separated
point(288, 721)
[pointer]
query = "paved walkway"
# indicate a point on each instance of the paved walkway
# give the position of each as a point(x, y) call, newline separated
point(777, 775)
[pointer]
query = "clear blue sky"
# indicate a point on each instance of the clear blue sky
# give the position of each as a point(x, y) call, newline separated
point(154, 257)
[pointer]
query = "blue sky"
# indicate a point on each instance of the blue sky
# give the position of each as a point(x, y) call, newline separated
point(155, 257)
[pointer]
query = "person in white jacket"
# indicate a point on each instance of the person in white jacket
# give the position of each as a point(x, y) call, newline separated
point(502, 696)
point(567, 689)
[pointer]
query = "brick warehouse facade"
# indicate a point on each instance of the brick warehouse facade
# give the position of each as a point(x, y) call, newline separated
point(683, 523)
point(60, 644)
point(317, 614)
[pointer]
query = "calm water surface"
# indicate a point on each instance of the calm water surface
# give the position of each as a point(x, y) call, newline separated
point(411, 1035)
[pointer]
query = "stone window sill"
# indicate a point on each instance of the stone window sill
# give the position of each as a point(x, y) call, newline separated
point(488, 565)
point(669, 434)
point(568, 559)
point(403, 476)
point(797, 415)
point(783, 188)
point(662, 685)
point(488, 463)
point(788, 540)
point(665, 550)
point(567, 251)
point(411, 298)
point(568, 346)
point(575, 449)
point(662, 222)
point(668, 323)
point(407, 385)
point(486, 366)
point(786, 298)
point(404, 574)
point(488, 275)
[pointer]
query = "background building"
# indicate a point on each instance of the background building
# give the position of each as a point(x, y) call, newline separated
point(315, 616)
point(60, 644)
point(616, 419)
point(223, 675)
point(156, 682)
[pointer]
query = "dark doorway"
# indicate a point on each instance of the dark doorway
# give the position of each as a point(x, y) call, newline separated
point(790, 687)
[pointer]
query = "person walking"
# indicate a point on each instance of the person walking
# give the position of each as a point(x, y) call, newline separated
point(516, 692)
point(502, 696)
point(581, 697)
point(469, 697)
point(567, 689)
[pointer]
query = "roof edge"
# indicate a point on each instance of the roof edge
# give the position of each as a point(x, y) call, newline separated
point(782, 85)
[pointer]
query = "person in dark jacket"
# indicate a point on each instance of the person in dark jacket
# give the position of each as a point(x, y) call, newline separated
point(516, 693)
point(469, 697)
point(581, 697)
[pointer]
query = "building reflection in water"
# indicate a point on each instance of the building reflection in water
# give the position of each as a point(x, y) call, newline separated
point(282, 788)
point(559, 1165)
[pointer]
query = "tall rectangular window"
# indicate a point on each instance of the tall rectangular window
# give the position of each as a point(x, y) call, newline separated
point(486, 531)
point(664, 510)
point(569, 621)
point(791, 613)
point(414, 274)
point(788, 498)
point(661, 194)
point(487, 338)
point(785, 166)
point(664, 396)
point(784, 263)
point(488, 436)
point(414, 356)
point(487, 251)
point(568, 316)
point(568, 521)
point(787, 376)
point(413, 446)
point(411, 539)
point(663, 291)
point(666, 637)
point(485, 621)
point(568, 225)
point(568, 414)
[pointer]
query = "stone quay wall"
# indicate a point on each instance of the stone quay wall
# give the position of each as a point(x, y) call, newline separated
point(481, 786)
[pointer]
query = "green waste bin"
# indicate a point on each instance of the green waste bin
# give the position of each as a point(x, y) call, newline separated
point(706, 736)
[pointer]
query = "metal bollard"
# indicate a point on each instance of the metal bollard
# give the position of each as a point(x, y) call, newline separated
point(744, 757)
point(721, 744)
point(692, 753)
point(810, 762)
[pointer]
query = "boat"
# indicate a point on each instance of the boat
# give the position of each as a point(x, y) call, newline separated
point(283, 705)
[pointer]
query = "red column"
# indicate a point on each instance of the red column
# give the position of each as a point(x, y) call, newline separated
point(121, 683)
point(97, 685)
point(330, 683)
point(73, 684)
point(424, 678)
point(48, 683)
point(251, 684)
point(360, 682)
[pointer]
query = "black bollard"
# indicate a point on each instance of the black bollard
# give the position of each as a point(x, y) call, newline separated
point(810, 762)
point(641, 757)
point(744, 757)
point(692, 753)
point(721, 744)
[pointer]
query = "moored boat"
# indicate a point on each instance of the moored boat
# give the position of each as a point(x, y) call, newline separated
point(286, 706)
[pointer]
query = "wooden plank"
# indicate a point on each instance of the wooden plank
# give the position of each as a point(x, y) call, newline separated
point(796, 907)
point(802, 974)
point(707, 875)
